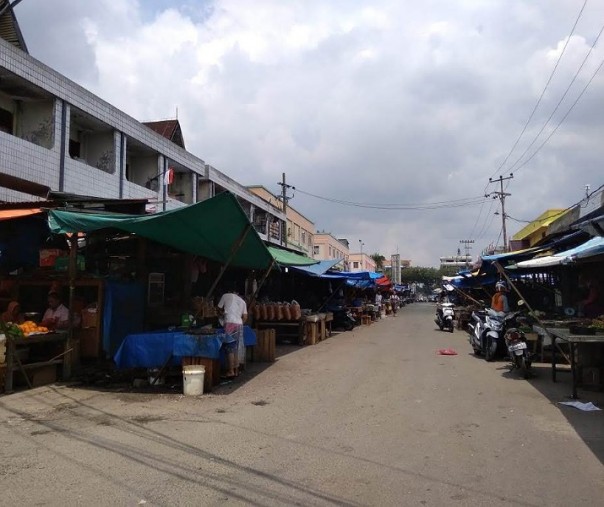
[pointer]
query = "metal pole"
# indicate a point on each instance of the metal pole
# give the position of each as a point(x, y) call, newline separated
point(284, 199)
point(501, 195)
point(505, 236)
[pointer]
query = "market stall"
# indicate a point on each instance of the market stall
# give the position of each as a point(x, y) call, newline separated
point(581, 343)
point(215, 231)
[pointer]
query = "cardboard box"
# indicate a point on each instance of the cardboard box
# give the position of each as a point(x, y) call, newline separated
point(89, 318)
point(90, 342)
point(44, 375)
point(48, 256)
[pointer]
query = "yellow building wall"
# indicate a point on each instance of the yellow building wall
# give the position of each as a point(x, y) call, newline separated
point(326, 247)
point(300, 230)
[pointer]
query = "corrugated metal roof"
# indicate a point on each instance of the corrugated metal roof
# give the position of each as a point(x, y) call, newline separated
point(170, 129)
point(9, 27)
point(542, 222)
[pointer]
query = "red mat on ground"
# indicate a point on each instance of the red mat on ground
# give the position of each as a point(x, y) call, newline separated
point(447, 352)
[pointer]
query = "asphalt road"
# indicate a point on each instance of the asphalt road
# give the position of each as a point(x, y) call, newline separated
point(370, 417)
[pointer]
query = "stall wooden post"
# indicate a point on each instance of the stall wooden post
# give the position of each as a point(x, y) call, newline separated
point(262, 281)
point(73, 268)
point(234, 249)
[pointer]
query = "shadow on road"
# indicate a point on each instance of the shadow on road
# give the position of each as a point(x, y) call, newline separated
point(588, 425)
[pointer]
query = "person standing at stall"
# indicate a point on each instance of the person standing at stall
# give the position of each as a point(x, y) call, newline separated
point(57, 314)
point(592, 305)
point(235, 314)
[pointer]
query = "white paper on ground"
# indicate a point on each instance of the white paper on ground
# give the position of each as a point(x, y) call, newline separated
point(587, 407)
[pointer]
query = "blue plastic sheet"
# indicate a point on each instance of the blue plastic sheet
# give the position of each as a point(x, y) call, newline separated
point(152, 350)
point(122, 313)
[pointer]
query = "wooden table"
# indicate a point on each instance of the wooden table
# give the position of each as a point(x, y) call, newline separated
point(13, 363)
point(562, 335)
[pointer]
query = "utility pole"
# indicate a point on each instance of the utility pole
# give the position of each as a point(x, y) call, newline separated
point(501, 195)
point(467, 243)
point(284, 199)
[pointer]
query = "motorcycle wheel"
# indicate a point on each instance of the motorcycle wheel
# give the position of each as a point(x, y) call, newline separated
point(525, 367)
point(451, 328)
point(490, 349)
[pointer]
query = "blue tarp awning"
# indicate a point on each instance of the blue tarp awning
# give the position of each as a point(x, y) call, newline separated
point(511, 258)
point(594, 246)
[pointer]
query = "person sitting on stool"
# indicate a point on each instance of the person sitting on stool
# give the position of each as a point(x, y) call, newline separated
point(57, 315)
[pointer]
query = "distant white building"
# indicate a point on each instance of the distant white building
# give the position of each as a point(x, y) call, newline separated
point(456, 261)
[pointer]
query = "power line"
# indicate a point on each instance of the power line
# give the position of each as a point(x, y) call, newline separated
point(562, 99)
point(456, 203)
point(487, 221)
point(563, 118)
point(572, 31)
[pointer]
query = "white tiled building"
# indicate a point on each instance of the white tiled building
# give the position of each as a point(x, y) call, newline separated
point(61, 137)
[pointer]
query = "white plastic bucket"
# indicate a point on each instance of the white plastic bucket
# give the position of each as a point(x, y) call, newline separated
point(192, 380)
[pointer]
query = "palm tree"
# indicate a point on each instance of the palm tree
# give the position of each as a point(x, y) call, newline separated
point(379, 259)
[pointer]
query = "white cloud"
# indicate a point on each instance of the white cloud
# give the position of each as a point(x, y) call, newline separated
point(369, 101)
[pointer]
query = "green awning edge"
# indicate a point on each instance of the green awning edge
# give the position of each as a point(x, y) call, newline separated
point(209, 229)
point(287, 258)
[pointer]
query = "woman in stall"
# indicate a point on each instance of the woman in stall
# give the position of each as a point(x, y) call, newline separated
point(13, 313)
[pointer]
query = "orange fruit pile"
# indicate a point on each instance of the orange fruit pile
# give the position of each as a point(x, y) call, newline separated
point(30, 327)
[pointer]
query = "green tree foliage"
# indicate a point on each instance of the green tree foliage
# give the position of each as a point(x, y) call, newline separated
point(379, 259)
point(428, 276)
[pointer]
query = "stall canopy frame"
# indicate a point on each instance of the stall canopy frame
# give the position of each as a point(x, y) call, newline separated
point(208, 229)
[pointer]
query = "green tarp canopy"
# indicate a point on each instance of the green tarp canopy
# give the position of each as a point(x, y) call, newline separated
point(210, 229)
point(286, 258)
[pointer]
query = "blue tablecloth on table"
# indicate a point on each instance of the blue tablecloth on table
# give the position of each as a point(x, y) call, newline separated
point(152, 349)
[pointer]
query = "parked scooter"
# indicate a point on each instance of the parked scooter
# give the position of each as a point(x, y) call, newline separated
point(485, 332)
point(515, 341)
point(445, 314)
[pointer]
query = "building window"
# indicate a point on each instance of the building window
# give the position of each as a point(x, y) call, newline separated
point(74, 149)
point(6, 121)
point(316, 249)
point(355, 264)
point(303, 237)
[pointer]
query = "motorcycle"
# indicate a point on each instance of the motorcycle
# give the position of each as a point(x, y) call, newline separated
point(445, 314)
point(515, 341)
point(485, 331)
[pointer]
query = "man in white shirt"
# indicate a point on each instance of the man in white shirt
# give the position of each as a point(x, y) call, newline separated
point(235, 314)
point(57, 315)
point(378, 303)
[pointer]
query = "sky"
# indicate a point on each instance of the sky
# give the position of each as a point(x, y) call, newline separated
point(393, 104)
